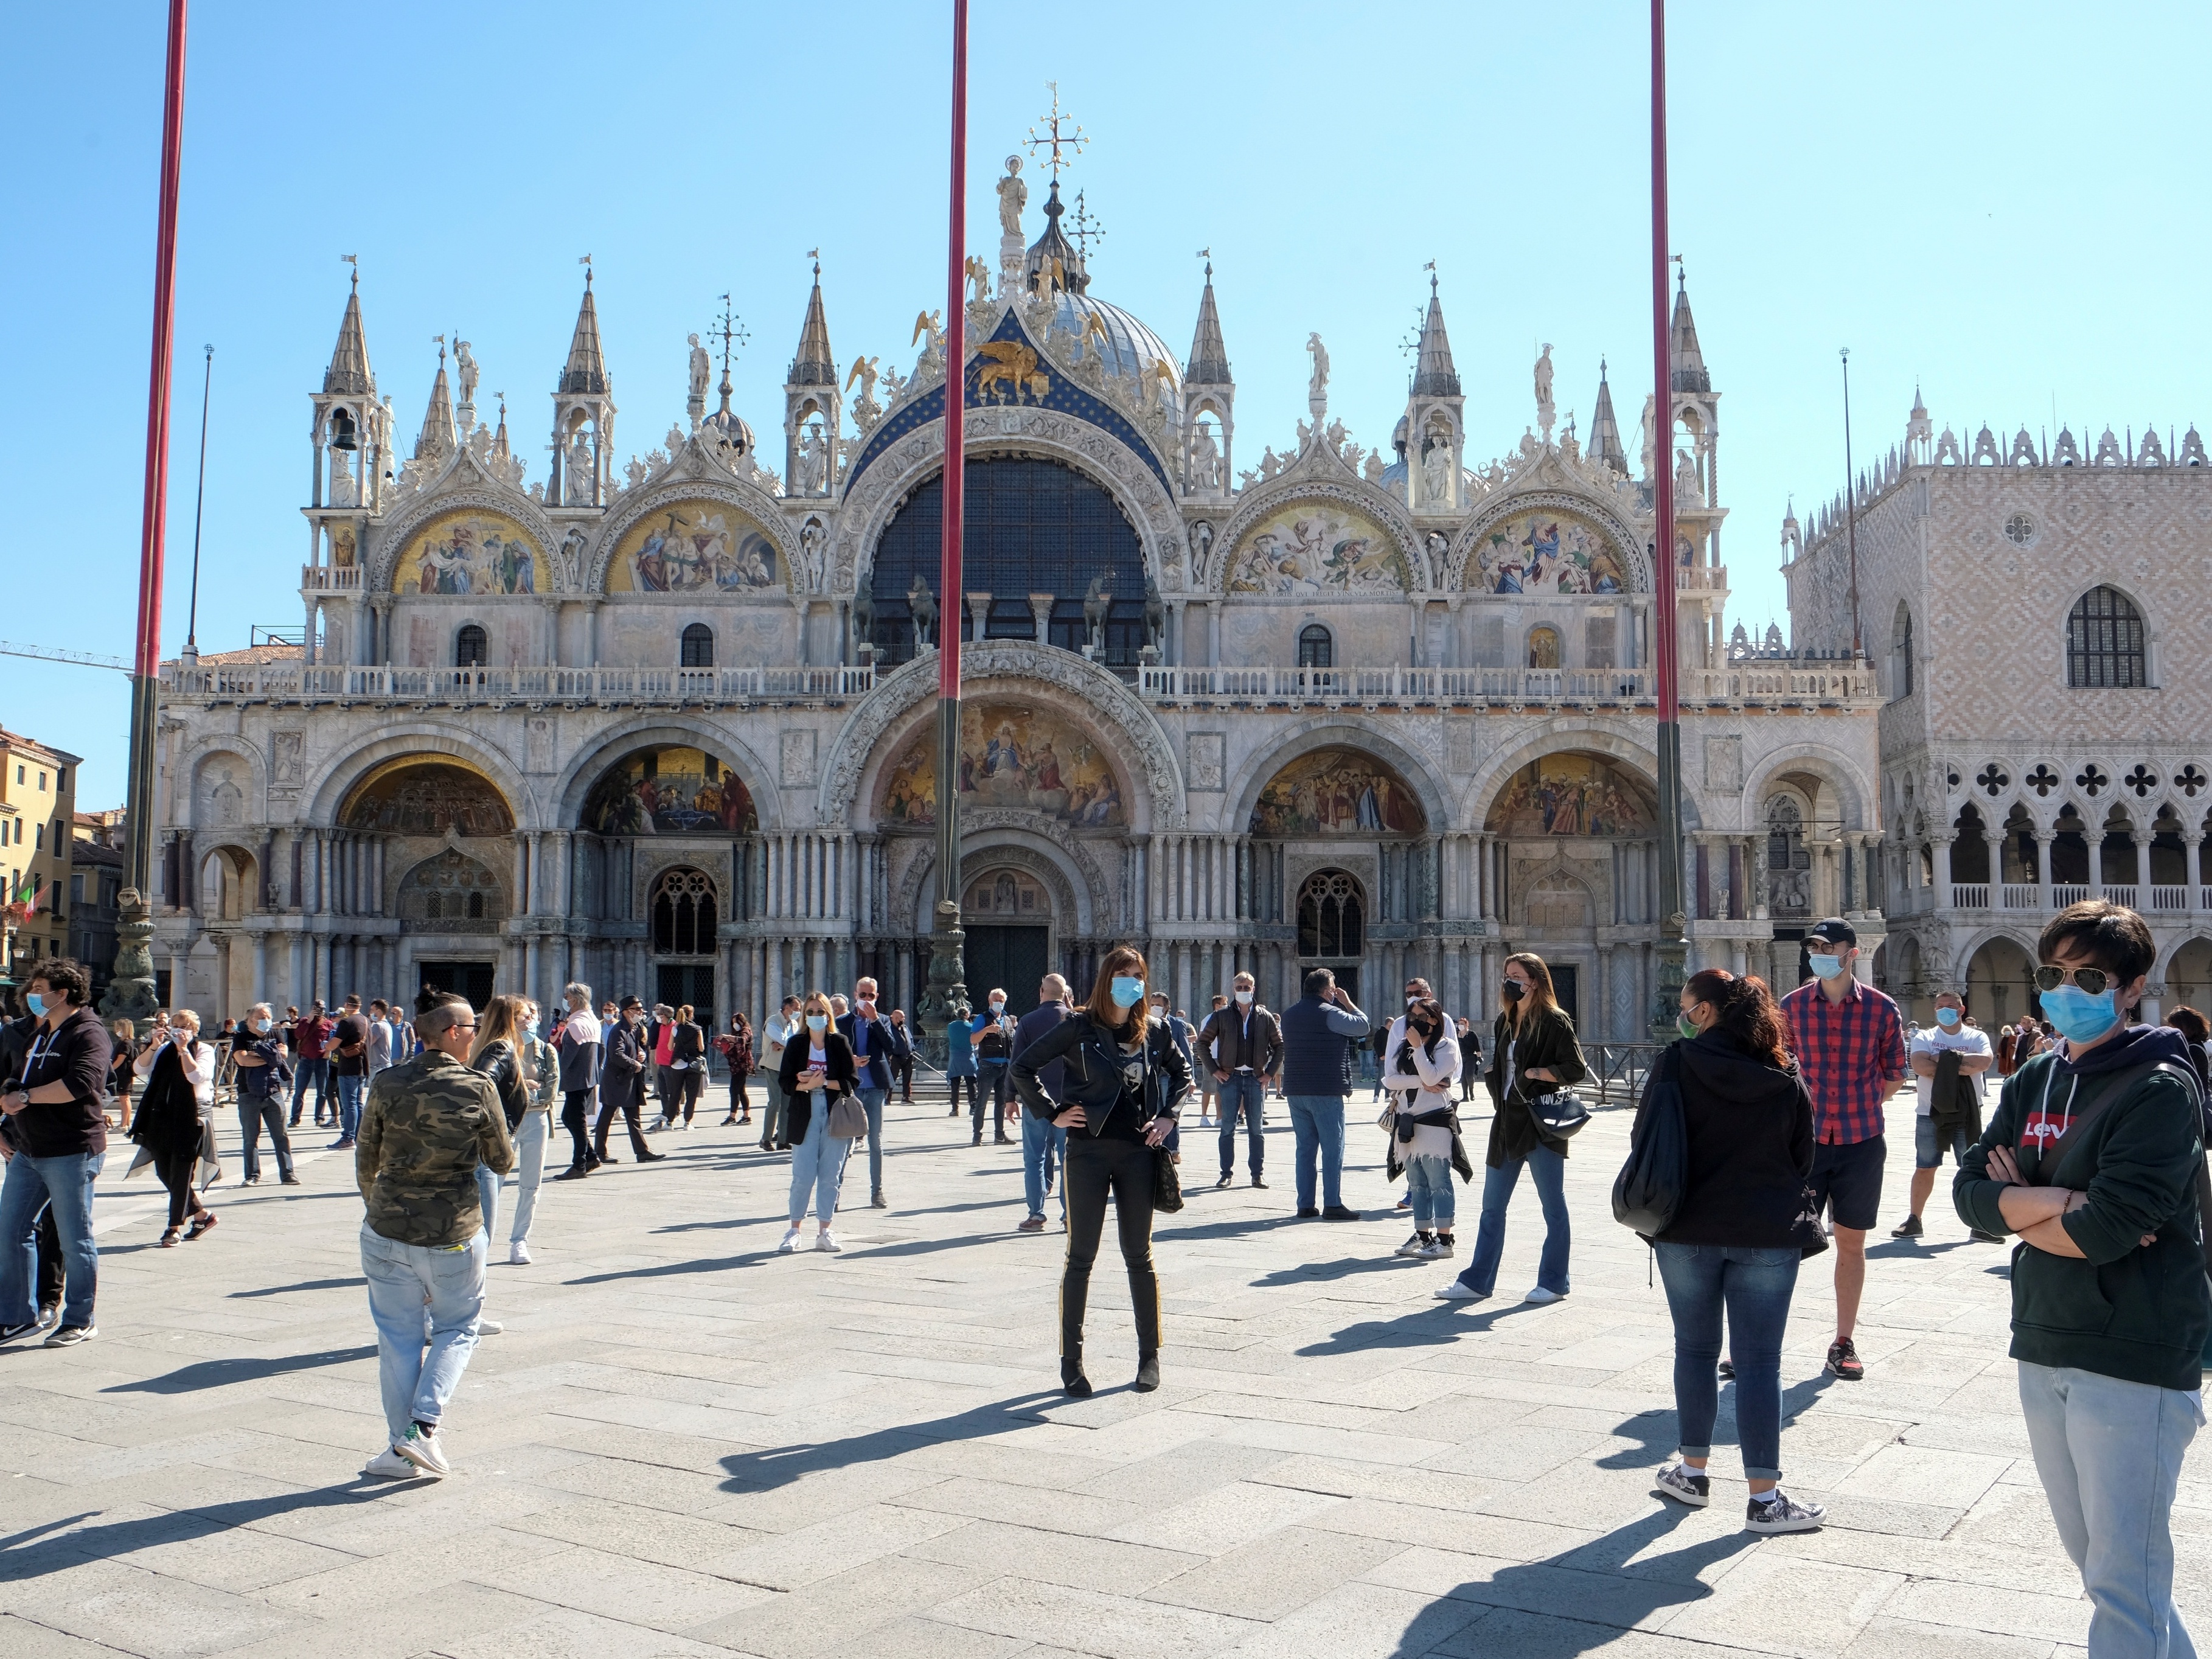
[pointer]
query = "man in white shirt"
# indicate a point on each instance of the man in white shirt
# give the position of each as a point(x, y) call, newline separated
point(775, 1122)
point(1951, 1033)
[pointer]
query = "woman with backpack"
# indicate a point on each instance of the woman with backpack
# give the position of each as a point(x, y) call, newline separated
point(1534, 1054)
point(736, 1048)
point(1742, 1219)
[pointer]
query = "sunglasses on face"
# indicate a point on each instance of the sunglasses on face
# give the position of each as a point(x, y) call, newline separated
point(2091, 979)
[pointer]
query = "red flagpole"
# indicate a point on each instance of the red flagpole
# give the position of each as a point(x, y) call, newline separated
point(1674, 946)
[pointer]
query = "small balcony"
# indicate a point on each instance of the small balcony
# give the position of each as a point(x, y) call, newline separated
point(345, 684)
point(330, 578)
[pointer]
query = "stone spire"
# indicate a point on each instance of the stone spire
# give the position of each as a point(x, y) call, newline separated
point(813, 365)
point(1433, 374)
point(499, 439)
point(586, 370)
point(348, 373)
point(437, 441)
point(1605, 431)
point(1688, 361)
point(1209, 356)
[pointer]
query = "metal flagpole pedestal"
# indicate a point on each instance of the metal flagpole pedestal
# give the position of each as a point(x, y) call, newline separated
point(1674, 948)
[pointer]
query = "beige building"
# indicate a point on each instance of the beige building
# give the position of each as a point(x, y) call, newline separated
point(38, 804)
point(2035, 611)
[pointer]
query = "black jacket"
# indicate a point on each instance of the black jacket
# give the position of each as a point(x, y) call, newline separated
point(1091, 1077)
point(500, 1062)
point(76, 1052)
point(1548, 1042)
point(623, 1083)
point(1750, 1129)
point(837, 1061)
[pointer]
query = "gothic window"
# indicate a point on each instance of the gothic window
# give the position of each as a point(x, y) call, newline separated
point(1900, 652)
point(1543, 648)
point(682, 914)
point(2105, 641)
point(1005, 895)
point(1559, 902)
point(698, 647)
point(433, 904)
point(1317, 649)
point(470, 647)
point(1332, 916)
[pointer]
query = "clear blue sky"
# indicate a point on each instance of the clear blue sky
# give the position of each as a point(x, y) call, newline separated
point(1996, 200)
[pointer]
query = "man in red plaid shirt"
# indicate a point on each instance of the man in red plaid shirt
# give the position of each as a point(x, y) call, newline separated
point(1850, 1045)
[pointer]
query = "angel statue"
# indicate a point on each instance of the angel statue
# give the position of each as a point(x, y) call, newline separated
point(980, 275)
point(922, 605)
point(865, 372)
point(930, 323)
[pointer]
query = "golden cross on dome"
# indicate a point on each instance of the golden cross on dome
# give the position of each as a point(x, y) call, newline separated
point(1055, 139)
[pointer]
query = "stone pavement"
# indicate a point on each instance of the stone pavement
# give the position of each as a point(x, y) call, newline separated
point(685, 1445)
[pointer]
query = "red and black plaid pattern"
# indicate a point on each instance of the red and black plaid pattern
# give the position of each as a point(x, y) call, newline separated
point(1848, 1052)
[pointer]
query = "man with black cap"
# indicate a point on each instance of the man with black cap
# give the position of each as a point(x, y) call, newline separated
point(1848, 1042)
point(623, 1088)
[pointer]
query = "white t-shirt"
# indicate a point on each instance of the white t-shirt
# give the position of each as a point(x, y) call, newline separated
point(1934, 1040)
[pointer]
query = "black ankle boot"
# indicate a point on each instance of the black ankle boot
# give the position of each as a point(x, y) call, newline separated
point(1148, 1373)
point(1072, 1379)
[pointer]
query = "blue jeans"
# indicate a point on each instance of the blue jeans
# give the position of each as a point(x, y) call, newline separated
point(817, 1164)
point(404, 1282)
point(989, 1091)
point(1429, 1185)
point(316, 1072)
point(350, 1093)
point(254, 1111)
point(488, 1198)
point(871, 1102)
point(1317, 1123)
point(2109, 1455)
point(1043, 1142)
point(1243, 1090)
point(30, 1184)
point(1550, 1172)
point(1754, 1287)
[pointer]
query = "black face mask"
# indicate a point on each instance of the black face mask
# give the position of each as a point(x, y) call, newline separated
point(1513, 990)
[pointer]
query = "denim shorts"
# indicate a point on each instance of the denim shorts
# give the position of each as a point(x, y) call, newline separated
point(1927, 1155)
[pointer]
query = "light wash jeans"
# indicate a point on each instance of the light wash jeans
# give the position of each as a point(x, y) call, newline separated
point(1242, 1089)
point(871, 1102)
point(817, 1164)
point(350, 1089)
point(1317, 1123)
point(1043, 1142)
point(488, 1200)
point(1754, 1286)
point(2109, 1454)
point(1429, 1185)
point(1549, 1171)
point(29, 1185)
point(529, 1170)
point(405, 1282)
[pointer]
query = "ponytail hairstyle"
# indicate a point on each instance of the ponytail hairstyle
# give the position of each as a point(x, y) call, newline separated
point(1744, 1009)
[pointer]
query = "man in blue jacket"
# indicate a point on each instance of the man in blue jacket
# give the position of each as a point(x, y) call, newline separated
point(875, 1042)
point(1318, 1031)
point(1044, 1143)
point(2094, 1159)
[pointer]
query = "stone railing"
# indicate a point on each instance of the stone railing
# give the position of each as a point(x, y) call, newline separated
point(1701, 578)
point(2174, 899)
point(293, 682)
point(330, 578)
point(1772, 682)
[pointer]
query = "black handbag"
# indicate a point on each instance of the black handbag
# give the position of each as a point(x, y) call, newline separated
point(1167, 1185)
point(1559, 1115)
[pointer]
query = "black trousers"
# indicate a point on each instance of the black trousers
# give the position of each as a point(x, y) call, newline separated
point(974, 1096)
point(637, 1147)
point(175, 1169)
point(1095, 1167)
point(575, 1118)
point(903, 1077)
point(51, 1269)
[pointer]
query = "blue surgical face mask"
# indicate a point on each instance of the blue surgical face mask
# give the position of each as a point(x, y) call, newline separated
point(2081, 1018)
point(530, 1025)
point(817, 1022)
point(1946, 1017)
point(261, 1026)
point(1825, 967)
point(37, 1004)
point(1128, 991)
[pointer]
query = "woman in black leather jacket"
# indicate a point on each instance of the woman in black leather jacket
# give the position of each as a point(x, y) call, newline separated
point(1122, 1080)
point(502, 1031)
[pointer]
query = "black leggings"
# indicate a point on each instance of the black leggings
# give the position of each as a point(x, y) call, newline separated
point(975, 1096)
point(175, 1169)
point(575, 1118)
point(1093, 1167)
point(690, 1084)
point(738, 1101)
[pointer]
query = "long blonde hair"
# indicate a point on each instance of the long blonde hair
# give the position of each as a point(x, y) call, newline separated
point(503, 1020)
point(1540, 995)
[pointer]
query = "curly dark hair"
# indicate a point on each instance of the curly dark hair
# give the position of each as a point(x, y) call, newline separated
point(1746, 1009)
point(62, 974)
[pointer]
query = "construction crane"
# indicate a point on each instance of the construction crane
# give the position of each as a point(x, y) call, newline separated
point(47, 654)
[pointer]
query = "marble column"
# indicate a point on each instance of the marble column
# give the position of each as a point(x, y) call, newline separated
point(2043, 839)
point(2142, 839)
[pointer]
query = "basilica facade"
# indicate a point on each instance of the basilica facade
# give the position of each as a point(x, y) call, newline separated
point(667, 725)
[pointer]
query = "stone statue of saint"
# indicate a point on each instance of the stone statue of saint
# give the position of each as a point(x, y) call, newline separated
point(922, 603)
point(1206, 459)
point(1317, 388)
point(864, 617)
point(811, 548)
point(1202, 542)
point(813, 462)
point(1013, 197)
point(1544, 378)
point(1435, 473)
point(1687, 493)
point(577, 487)
point(1651, 435)
point(701, 367)
point(464, 364)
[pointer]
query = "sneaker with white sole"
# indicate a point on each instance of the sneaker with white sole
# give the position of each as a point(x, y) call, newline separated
point(1539, 1295)
point(790, 1242)
point(518, 1254)
point(389, 1465)
point(68, 1336)
point(489, 1327)
point(1437, 1251)
point(1684, 1485)
point(1415, 1247)
point(1783, 1514)
point(1455, 1291)
point(424, 1451)
point(826, 1242)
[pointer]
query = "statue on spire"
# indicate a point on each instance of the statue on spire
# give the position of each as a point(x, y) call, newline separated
point(1013, 197)
point(1317, 387)
point(1546, 411)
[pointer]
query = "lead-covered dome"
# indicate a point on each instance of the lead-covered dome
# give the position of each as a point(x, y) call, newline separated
point(1130, 350)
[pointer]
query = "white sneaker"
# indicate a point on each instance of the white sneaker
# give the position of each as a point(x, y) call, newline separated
point(489, 1327)
point(1453, 1291)
point(389, 1465)
point(424, 1451)
point(518, 1254)
point(826, 1242)
point(790, 1242)
point(1541, 1295)
point(1413, 1246)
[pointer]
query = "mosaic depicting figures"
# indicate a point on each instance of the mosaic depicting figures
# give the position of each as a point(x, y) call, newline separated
point(416, 797)
point(672, 791)
point(471, 552)
point(1011, 755)
point(1547, 553)
point(1571, 795)
point(1336, 792)
point(693, 547)
point(1308, 548)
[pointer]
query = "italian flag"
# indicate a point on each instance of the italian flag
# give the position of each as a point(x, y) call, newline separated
point(24, 900)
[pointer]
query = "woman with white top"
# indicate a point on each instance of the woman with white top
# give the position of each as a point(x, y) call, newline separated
point(818, 1072)
point(1424, 1126)
point(175, 1105)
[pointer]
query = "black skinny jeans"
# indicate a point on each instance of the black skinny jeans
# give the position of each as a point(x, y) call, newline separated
point(575, 1118)
point(975, 1096)
point(1094, 1167)
point(175, 1169)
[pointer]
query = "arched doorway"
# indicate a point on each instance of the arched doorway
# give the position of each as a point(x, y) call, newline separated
point(1006, 914)
point(1999, 991)
point(684, 916)
point(2188, 976)
point(452, 909)
point(1333, 927)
